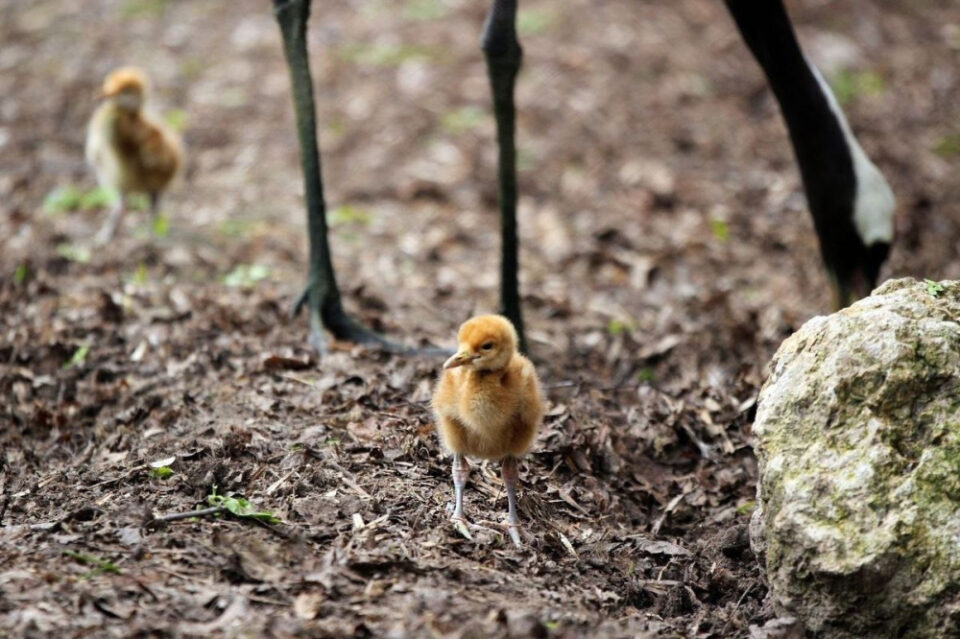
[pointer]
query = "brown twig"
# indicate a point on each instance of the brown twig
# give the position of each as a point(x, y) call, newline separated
point(203, 512)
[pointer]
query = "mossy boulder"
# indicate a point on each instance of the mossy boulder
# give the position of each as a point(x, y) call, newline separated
point(858, 437)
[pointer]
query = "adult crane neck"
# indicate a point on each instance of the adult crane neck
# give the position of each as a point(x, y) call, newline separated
point(816, 129)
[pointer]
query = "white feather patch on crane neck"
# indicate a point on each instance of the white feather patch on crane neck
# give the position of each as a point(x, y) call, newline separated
point(874, 203)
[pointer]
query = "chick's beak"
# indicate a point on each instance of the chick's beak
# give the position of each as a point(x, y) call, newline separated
point(459, 359)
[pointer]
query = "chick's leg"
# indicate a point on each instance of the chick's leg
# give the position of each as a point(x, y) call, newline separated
point(154, 206)
point(109, 229)
point(461, 472)
point(503, 54)
point(510, 474)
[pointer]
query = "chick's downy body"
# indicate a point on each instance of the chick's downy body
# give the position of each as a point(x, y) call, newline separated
point(488, 404)
point(130, 151)
point(489, 413)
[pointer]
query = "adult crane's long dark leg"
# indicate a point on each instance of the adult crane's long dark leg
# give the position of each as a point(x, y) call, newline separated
point(850, 201)
point(321, 295)
point(503, 55)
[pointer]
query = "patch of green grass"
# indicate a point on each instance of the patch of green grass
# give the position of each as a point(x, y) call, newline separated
point(191, 67)
point(335, 125)
point(934, 289)
point(526, 160)
point(68, 198)
point(139, 276)
point(79, 357)
point(20, 274)
point(74, 252)
point(176, 119)
point(849, 85)
point(464, 119)
point(160, 225)
point(346, 214)
point(246, 275)
point(143, 8)
point(422, 10)
point(948, 146)
point(647, 375)
point(161, 472)
point(620, 326)
point(531, 21)
point(99, 565)
point(385, 55)
point(720, 229)
point(138, 202)
point(240, 507)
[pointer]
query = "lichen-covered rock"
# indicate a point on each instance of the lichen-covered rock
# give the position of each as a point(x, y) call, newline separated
point(858, 436)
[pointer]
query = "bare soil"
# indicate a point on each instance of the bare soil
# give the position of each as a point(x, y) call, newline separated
point(666, 253)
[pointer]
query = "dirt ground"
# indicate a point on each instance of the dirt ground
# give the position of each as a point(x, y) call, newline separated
point(666, 253)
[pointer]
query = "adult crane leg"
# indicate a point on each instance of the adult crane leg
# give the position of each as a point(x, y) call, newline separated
point(503, 55)
point(321, 295)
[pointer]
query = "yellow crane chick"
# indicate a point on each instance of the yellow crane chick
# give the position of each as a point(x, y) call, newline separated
point(488, 404)
point(130, 151)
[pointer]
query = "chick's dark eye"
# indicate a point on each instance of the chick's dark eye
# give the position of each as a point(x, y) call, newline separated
point(487, 346)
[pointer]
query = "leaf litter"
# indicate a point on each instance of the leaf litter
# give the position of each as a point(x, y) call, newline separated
point(664, 260)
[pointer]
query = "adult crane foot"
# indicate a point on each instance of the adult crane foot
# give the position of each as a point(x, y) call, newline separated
point(341, 326)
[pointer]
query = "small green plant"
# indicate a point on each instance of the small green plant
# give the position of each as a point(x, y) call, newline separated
point(647, 375)
point(99, 565)
point(335, 125)
point(138, 202)
point(79, 357)
point(160, 225)
point(20, 274)
point(849, 85)
point(384, 55)
point(618, 326)
point(240, 507)
point(934, 289)
point(948, 146)
point(346, 214)
point(533, 21)
point(64, 199)
point(746, 507)
point(246, 275)
point(720, 229)
point(526, 160)
point(464, 119)
point(140, 275)
point(422, 10)
point(74, 252)
point(192, 67)
point(176, 119)
point(161, 472)
point(143, 8)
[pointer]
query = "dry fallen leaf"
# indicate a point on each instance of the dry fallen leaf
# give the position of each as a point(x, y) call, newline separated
point(307, 604)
